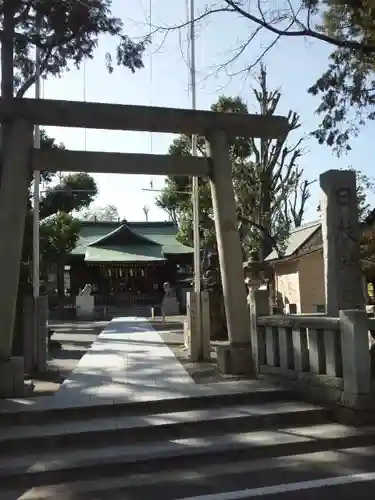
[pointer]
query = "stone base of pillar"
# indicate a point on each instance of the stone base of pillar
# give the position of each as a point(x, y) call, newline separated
point(358, 401)
point(234, 360)
point(12, 377)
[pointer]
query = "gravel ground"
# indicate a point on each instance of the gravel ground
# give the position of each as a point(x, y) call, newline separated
point(172, 333)
point(75, 339)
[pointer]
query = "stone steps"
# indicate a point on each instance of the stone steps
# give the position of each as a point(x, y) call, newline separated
point(44, 410)
point(67, 465)
point(219, 479)
point(184, 434)
point(141, 428)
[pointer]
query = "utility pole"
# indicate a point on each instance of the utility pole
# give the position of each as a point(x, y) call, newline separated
point(36, 207)
point(195, 183)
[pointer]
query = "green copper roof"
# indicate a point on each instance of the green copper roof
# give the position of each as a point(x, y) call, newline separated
point(128, 241)
point(88, 235)
point(123, 235)
point(164, 234)
point(131, 253)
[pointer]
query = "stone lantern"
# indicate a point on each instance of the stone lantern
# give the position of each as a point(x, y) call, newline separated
point(255, 277)
point(254, 273)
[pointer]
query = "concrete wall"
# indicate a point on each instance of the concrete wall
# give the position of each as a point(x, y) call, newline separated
point(311, 281)
point(287, 284)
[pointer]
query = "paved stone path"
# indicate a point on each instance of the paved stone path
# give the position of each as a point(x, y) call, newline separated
point(128, 362)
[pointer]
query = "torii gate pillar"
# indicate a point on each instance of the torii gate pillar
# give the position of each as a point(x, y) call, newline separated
point(13, 207)
point(238, 356)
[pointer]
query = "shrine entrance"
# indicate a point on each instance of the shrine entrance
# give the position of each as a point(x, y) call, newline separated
point(19, 116)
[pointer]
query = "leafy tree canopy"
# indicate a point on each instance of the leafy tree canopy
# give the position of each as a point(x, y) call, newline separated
point(66, 32)
point(62, 195)
point(58, 236)
point(347, 87)
point(73, 192)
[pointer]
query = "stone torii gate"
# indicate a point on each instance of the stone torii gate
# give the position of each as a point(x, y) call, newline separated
point(19, 159)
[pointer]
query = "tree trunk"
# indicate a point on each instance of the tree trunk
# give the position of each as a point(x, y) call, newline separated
point(265, 246)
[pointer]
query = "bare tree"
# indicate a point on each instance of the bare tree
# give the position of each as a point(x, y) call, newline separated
point(108, 213)
point(266, 177)
point(288, 18)
point(273, 177)
point(295, 205)
point(346, 88)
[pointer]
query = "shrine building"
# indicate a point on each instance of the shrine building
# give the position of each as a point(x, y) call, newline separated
point(127, 262)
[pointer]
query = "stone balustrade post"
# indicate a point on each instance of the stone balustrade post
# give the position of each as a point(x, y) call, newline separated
point(251, 299)
point(206, 325)
point(356, 364)
point(258, 306)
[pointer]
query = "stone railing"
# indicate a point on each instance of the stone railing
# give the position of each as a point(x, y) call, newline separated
point(327, 356)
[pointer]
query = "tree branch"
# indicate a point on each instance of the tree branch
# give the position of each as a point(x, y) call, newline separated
point(263, 232)
point(304, 32)
point(31, 80)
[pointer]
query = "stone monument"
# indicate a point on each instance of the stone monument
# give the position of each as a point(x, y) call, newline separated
point(169, 304)
point(341, 242)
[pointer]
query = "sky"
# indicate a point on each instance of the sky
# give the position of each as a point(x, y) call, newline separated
point(293, 65)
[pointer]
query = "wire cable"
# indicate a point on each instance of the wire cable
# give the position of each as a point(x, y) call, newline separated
point(151, 145)
point(84, 100)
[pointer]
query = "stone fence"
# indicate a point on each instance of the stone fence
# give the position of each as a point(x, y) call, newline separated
point(328, 357)
point(34, 352)
point(35, 334)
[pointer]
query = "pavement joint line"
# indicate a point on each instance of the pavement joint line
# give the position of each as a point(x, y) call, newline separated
point(286, 488)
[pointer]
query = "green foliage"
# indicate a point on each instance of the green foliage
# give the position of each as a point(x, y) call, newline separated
point(59, 235)
point(347, 88)
point(71, 193)
point(365, 186)
point(266, 179)
point(74, 192)
point(67, 32)
point(47, 143)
